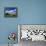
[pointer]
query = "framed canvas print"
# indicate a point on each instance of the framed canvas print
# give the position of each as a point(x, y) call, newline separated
point(10, 11)
point(32, 32)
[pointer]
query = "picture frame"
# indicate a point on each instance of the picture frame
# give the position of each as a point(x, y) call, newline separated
point(34, 32)
point(10, 12)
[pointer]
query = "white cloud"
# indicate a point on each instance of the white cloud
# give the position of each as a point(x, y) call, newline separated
point(11, 11)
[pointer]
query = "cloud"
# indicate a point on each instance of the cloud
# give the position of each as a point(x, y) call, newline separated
point(11, 11)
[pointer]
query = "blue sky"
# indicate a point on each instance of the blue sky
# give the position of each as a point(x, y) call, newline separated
point(10, 8)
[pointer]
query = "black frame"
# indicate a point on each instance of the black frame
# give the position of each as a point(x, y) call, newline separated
point(7, 15)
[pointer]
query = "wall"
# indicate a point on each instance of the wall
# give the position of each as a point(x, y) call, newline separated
point(29, 12)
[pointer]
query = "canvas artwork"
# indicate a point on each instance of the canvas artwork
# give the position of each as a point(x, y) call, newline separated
point(33, 32)
point(10, 12)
